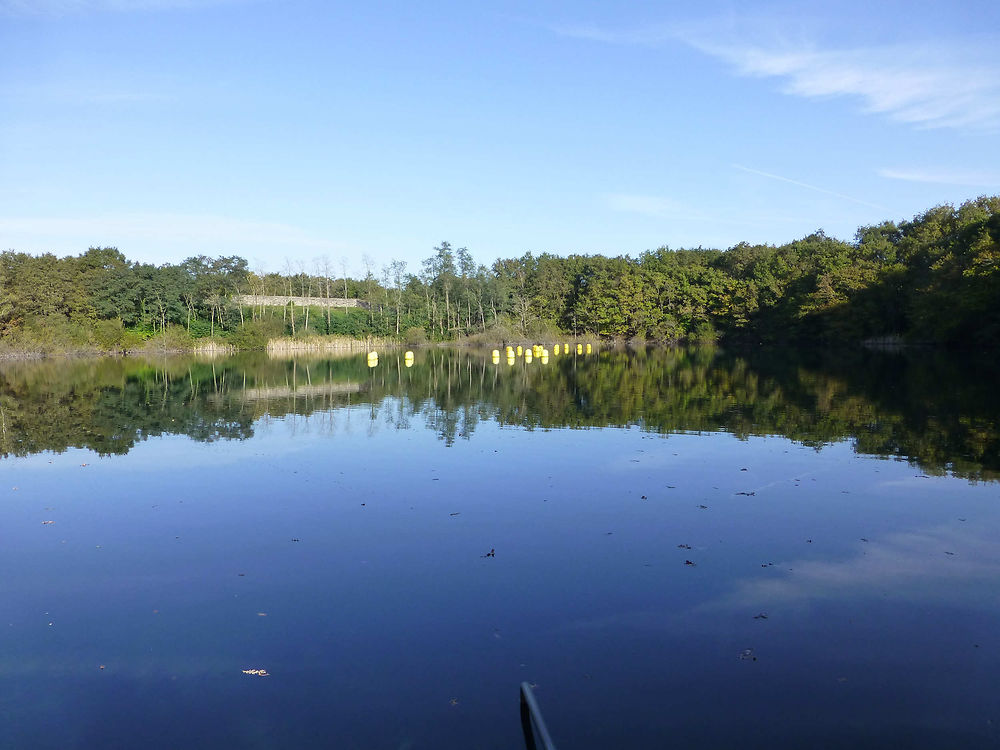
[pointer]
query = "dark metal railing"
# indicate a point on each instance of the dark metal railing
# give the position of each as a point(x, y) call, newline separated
point(536, 735)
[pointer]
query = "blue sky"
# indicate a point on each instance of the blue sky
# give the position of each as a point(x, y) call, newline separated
point(289, 131)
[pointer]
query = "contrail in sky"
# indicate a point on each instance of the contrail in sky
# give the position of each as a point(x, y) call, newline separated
point(810, 187)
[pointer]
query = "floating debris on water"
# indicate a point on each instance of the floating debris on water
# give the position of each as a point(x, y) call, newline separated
point(748, 494)
point(747, 654)
point(683, 546)
point(257, 672)
point(688, 562)
point(761, 616)
point(47, 523)
point(453, 702)
point(491, 553)
point(703, 507)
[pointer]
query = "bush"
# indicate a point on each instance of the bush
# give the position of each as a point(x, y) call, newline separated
point(113, 336)
point(52, 333)
point(174, 339)
point(255, 334)
point(704, 332)
point(415, 336)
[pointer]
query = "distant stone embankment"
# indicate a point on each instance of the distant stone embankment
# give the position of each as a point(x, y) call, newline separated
point(267, 300)
point(287, 391)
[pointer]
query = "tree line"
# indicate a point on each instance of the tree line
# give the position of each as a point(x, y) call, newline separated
point(935, 278)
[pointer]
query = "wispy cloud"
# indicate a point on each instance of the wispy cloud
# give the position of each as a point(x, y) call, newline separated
point(928, 564)
point(970, 178)
point(59, 8)
point(947, 83)
point(647, 35)
point(807, 186)
point(930, 85)
point(194, 232)
point(939, 565)
point(108, 93)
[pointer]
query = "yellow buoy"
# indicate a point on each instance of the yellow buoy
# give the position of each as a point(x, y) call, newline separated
point(408, 362)
point(545, 358)
point(579, 348)
point(510, 351)
point(496, 352)
point(520, 350)
point(555, 348)
point(408, 355)
point(589, 350)
point(527, 355)
point(510, 359)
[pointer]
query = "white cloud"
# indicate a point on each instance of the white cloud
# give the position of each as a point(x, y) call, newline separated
point(930, 85)
point(971, 178)
point(935, 564)
point(951, 83)
point(192, 233)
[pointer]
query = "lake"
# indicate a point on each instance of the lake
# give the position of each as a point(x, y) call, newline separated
point(691, 548)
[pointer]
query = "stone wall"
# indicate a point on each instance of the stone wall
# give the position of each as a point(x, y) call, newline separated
point(256, 300)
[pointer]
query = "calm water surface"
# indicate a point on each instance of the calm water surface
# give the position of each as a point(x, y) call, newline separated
point(693, 549)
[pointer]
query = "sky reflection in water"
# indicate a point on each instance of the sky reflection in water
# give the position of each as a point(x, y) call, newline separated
point(341, 548)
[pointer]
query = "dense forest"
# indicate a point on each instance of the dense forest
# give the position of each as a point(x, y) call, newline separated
point(935, 278)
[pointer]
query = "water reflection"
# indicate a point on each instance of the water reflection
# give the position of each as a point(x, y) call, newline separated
point(933, 409)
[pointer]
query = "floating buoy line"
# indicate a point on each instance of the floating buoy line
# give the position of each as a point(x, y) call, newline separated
point(536, 351)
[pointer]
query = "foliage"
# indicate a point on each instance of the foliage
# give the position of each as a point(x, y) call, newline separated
point(933, 278)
